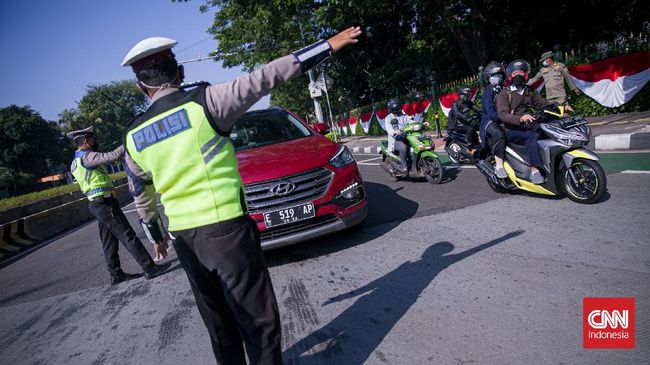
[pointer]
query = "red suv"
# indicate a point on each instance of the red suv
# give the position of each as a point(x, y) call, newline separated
point(299, 184)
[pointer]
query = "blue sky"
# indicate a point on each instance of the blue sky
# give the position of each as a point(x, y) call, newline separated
point(51, 50)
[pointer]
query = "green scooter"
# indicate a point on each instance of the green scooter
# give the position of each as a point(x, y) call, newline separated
point(421, 159)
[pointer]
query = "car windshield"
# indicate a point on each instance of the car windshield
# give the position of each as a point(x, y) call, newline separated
point(262, 130)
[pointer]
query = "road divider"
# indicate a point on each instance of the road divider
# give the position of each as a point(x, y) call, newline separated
point(27, 232)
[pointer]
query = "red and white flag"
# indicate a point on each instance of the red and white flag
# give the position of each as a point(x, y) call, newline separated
point(614, 81)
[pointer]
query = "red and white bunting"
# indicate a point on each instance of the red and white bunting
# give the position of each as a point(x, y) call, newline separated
point(353, 124)
point(447, 100)
point(364, 119)
point(416, 109)
point(381, 117)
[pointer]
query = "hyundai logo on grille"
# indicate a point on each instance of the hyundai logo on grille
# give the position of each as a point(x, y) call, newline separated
point(282, 189)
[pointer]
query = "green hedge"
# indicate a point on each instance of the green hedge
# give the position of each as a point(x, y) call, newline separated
point(26, 199)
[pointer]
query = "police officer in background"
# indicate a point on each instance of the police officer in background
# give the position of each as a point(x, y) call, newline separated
point(554, 75)
point(182, 142)
point(89, 171)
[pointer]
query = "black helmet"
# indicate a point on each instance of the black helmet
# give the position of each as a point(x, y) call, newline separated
point(395, 105)
point(463, 93)
point(517, 65)
point(493, 68)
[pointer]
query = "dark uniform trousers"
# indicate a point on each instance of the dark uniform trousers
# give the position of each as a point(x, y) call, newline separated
point(233, 290)
point(115, 228)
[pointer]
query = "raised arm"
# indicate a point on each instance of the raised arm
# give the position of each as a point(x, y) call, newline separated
point(94, 159)
point(537, 76)
point(229, 100)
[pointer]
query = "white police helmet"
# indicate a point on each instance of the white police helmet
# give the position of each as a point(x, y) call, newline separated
point(149, 51)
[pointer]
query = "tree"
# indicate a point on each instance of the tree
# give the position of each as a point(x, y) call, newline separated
point(405, 41)
point(109, 108)
point(30, 146)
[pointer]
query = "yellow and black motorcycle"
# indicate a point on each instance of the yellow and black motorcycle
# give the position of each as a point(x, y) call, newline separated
point(569, 167)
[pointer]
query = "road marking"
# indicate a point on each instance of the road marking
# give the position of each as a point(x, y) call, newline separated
point(635, 172)
point(368, 163)
point(370, 159)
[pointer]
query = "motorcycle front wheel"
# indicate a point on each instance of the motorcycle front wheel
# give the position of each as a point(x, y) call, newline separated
point(590, 181)
point(432, 169)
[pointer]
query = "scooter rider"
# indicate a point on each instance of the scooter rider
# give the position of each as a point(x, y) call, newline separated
point(492, 134)
point(395, 122)
point(180, 147)
point(513, 106)
point(462, 116)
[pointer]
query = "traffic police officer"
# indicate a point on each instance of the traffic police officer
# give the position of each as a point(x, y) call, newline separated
point(554, 74)
point(182, 143)
point(89, 171)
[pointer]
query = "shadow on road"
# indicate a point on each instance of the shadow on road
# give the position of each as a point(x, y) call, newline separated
point(352, 337)
point(385, 206)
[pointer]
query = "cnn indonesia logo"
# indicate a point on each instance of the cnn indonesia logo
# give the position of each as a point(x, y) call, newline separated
point(608, 323)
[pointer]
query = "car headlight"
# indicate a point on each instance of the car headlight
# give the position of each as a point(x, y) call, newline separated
point(342, 157)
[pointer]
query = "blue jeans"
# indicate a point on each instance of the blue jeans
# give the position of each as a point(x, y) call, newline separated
point(528, 138)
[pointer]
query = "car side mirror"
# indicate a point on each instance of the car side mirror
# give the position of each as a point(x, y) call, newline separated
point(321, 128)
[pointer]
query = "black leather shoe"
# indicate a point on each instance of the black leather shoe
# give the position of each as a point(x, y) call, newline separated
point(121, 276)
point(156, 270)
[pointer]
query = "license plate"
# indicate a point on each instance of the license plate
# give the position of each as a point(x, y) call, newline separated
point(289, 215)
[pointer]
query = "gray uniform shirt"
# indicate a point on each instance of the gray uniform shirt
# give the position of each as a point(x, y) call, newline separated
point(94, 159)
point(554, 77)
point(226, 102)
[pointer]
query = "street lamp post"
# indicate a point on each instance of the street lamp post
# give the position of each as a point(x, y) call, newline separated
point(432, 77)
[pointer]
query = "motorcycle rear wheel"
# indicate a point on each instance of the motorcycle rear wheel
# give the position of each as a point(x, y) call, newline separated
point(454, 152)
point(496, 188)
point(432, 169)
point(591, 184)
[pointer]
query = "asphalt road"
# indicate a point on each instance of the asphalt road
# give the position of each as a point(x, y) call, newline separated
point(449, 273)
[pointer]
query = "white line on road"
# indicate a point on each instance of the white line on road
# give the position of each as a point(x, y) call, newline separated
point(635, 172)
point(370, 159)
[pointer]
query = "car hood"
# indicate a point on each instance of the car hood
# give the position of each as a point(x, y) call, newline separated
point(287, 158)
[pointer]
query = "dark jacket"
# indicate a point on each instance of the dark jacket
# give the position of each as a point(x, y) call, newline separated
point(488, 100)
point(511, 105)
point(463, 113)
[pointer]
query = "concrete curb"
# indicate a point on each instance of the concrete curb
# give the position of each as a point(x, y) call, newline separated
point(625, 141)
point(368, 150)
point(377, 150)
point(25, 233)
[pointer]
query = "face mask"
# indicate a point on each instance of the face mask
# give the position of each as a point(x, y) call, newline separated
point(496, 80)
point(545, 63)
point(518, 80)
